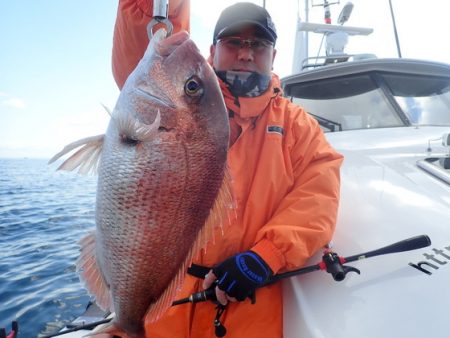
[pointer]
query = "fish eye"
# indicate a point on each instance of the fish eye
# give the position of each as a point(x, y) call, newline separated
point(193, 87)
point(127, 140)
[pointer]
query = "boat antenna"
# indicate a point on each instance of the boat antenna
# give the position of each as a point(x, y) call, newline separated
point(395, 30)
point(345, 13)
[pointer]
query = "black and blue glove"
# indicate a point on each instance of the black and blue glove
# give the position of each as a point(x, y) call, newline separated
point(239, 275)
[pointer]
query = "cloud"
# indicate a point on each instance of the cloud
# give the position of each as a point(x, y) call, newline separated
point(12, 102)
point(9, 101)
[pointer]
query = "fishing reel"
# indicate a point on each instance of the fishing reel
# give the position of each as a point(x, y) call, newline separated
point(333, 264)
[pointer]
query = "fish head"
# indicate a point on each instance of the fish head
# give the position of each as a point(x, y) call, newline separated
point(172, 94)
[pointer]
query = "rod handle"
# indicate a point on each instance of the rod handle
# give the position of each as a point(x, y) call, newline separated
point(408, 244)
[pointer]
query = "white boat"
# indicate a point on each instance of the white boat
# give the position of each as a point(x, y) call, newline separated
point(390, 118)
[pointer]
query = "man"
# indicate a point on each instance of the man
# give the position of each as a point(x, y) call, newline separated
point(285, 180)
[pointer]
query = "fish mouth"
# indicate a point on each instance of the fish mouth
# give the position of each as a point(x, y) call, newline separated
point(156, 99)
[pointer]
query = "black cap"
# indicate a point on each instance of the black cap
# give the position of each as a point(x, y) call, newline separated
point(242, 14)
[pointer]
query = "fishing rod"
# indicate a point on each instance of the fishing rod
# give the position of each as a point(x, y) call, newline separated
point(331, 263)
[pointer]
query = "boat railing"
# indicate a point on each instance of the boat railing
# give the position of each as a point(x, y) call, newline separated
point(326, 60)
point(438, 167)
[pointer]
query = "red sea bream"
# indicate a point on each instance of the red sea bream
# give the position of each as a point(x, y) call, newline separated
point(161, 185)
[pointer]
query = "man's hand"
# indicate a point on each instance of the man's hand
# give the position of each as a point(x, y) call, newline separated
point(221, 296)
point(238, 276)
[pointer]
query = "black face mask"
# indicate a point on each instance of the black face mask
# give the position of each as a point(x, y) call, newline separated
point(245, 84)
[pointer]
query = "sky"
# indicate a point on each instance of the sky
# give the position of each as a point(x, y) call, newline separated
point(55, 57)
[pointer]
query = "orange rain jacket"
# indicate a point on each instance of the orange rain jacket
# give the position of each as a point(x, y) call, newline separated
point(286, 184)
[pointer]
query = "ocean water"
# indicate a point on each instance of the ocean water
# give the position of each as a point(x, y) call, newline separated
point(43, 215)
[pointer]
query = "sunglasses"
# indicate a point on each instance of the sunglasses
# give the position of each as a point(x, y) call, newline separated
point(236, 43)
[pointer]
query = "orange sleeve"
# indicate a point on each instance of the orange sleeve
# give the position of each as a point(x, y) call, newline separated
point(305, 220)
point(130, 32)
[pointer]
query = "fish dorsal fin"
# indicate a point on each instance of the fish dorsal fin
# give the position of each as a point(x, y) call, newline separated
point(91, 274)
point(85, 159)
point(221, 215)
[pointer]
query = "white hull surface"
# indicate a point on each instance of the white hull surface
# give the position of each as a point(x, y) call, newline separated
point(383, 201)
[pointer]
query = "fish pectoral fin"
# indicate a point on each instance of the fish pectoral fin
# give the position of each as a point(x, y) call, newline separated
point(85, 159)
point(91, 274)
point(134, 129)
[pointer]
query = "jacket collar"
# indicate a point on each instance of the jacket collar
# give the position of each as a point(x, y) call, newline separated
point(248, 107)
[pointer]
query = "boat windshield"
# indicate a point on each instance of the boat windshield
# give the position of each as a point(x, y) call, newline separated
point(424, 100)
point(375, 100)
